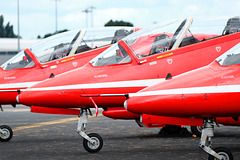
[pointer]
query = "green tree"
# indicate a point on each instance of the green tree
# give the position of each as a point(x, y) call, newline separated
point(6, 31)
point(2, 31)
point(118, 23)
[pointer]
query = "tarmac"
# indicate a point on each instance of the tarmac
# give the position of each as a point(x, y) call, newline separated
point(50, 137)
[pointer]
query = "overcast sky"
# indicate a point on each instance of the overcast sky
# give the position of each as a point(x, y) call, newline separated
point(37, 17)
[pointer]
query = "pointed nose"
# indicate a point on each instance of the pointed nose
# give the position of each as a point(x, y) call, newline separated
point(135, 105)
point(154, 104)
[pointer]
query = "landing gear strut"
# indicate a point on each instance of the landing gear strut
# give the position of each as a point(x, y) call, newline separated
point(92, 142)
point(206, 140)
point(6, 133)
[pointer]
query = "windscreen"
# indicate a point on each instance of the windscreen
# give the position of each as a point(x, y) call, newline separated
point(113, 55)
point(230, 57)
point(21, 60)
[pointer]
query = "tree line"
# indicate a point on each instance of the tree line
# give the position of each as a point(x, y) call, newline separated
point(6, 31)
point(118, 23)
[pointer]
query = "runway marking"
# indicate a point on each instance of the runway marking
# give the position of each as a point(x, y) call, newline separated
point(37, 125)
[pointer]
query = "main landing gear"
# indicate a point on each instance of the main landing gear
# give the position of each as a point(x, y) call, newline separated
point(173, 130)
point(6, 133)
point(91, 142)
point(220, 153)
point(197, 130)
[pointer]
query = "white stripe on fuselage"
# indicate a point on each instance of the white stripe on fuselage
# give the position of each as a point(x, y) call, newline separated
point(192, 90)
point(116, 84)
point(18, 85)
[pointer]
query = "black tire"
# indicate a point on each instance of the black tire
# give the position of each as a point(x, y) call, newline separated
point(197, 130)
point(222, 151)
point(7, 135)
point(93, 148)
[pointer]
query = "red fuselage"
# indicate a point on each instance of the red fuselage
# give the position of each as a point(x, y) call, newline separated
point(55, 55)
point(25, 77)
point(211, 91)
point(69, 90)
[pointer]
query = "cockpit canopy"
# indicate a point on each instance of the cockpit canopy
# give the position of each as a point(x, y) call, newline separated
point(230, 57)
point(160, 38)
point(67, 44)
point(145, 43)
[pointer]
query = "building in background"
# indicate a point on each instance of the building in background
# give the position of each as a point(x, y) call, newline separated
point(9, 47)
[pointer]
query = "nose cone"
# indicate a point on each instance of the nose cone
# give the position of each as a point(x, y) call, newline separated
point(139, 104)
point(156, 103)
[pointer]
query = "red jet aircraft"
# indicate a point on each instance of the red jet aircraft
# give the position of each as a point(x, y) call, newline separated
point(50, 57)
point(208, 92)
point(142, 59)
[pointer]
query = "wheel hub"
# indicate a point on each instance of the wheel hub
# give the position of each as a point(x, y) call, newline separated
point(94, 144)
point(224, 155)
point(5, 133)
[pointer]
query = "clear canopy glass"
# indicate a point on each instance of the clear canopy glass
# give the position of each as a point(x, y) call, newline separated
point(163, 37)
point(114, 55)
point(145, 42)
point(21, 60)
point(230, 57)
point(67, 44)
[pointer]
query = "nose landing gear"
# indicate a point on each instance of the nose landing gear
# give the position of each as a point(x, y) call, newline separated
point(220, 153)
point(92, 142)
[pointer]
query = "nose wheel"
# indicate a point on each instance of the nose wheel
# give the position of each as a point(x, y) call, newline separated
point(95, 145)
point(6, 133)
point(92, 142)
point(224, 152)
point(220, 153)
